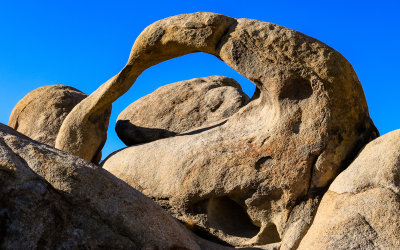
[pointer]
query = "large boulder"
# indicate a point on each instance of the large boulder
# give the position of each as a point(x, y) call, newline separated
point(179, 107)
point(52, 200)
point(275, 155)
point(361, 209)
point(40, 113)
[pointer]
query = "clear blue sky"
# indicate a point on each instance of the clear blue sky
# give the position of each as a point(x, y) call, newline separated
point(84, 43)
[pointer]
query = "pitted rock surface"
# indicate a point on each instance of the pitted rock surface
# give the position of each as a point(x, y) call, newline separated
point(179, 107)
point(361, 209)
point(309, 119)
point(40, 113)
point(52, 200)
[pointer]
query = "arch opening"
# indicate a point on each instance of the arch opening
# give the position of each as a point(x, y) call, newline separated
point(195, 65)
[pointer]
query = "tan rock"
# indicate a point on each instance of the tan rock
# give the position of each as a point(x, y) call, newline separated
point(310, 117)
point(52, 200)
point(81, 134)
point(179, 107)
point(40, 113)
point(361, 210)
point(299, 222)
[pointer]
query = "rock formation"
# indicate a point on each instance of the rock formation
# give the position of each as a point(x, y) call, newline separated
point(52, 200)
point(40, 113)
point(258, 177)
point(361, 208)
point(179, 107)
point(80, 130)
point(272, 155)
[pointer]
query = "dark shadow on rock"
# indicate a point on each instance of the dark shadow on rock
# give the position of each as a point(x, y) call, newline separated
point(131, 134)
point(296, 89)
point(198, 131)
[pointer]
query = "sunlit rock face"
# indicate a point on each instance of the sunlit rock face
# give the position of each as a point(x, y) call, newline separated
point(257, 177)
point(180, 107)
point(361, 208)
point(40, 114)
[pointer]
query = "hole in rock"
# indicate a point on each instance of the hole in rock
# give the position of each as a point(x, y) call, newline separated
point(262, 162)
point(229, 217)
point(296, 89)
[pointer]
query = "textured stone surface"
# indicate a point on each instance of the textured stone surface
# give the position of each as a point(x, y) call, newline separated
point(81, 134)
point(53, 200)
point(299, 222)
point(361, 209)
point(40, 113)
point(309, 119)
point(179, 107)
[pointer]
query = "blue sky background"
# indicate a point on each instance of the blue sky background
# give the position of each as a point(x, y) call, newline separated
point(84, 43)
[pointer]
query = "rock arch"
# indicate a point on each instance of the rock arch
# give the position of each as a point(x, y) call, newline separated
point(310, 118)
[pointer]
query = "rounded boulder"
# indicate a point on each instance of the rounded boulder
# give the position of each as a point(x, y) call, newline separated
point(180, 107)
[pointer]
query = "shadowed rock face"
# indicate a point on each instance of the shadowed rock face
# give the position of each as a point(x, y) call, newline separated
point(180, 107)
point(274, 154)
point(40, 113)
point(361, 209)
point(50, 199)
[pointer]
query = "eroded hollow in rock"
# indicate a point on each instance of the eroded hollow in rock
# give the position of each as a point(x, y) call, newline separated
point(227, 216)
